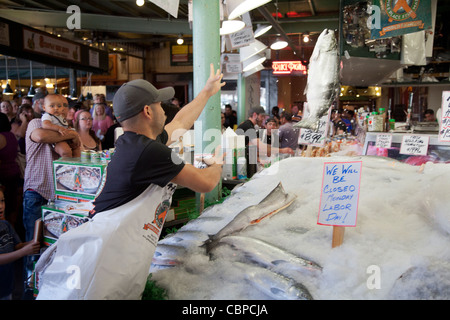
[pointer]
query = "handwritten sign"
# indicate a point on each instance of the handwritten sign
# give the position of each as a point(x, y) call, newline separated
point(242, 38)
point(444, 130)
point(414, 145)
point(315, 138)
point(340, 194)
point(383, 141)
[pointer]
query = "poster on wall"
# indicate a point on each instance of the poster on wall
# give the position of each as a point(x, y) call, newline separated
point(392, 18)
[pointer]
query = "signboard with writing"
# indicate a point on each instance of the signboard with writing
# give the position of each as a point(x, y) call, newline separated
point(181, 55)
point(242, 38)
point(398, 17)
point(41, 43)
point(383, 141)
point(288, 67)
point(444, 130)
point(340, 194)
point(414, 145)
point(315, 138)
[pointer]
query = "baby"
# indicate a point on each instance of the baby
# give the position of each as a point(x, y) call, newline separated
point(54, 119)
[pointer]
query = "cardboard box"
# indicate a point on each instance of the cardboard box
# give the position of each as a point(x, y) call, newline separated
point(56, 221)
point(76, 181)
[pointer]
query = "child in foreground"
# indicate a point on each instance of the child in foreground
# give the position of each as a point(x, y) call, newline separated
point(11, 249)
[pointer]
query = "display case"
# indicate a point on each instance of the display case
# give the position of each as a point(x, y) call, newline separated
point(437, 151)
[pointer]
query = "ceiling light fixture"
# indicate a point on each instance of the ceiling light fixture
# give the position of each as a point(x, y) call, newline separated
point(252, 49)
point(261, 29)
point(31, 92)
point(252, 62)
point(239, 7)
point(180, 39)
point(259, 67)
point(279, 44)
point(7, 90)
point(231, 26)
point(140, 3)
point(306, 37)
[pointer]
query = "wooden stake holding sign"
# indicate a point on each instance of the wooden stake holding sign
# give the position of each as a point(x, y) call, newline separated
point(339, 197)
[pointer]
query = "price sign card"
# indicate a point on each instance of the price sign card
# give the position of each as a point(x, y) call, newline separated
point(444, 130)
point(311, 137)
point(415, 145)
point(383, 141)
point(340, 194)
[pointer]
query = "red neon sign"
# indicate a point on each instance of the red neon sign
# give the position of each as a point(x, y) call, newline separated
point(287, 67)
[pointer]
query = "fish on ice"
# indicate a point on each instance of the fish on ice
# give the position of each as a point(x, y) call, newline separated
point(323, 79)
point(274, 285)
point(268, 255)
point(273, 203)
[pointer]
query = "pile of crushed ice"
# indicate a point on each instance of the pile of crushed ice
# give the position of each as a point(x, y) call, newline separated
point(399, 248)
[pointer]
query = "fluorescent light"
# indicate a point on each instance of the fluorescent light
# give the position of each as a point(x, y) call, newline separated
point(261, 29)
point(253, 48)
point(253, 62)
point(279, 44)
point(231, 26)
point(239, 7)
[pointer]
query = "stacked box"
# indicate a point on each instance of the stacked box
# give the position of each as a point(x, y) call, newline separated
point(57, 220)
point(77, 183)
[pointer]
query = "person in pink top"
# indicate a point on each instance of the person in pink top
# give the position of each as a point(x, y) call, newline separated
point(101, 121)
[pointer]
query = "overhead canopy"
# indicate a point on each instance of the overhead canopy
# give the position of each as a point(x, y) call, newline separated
point(21, 41)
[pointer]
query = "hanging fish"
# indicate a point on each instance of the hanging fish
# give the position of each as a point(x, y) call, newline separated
point(323, 79)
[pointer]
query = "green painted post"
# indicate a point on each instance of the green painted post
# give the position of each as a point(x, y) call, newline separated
point(206, 50)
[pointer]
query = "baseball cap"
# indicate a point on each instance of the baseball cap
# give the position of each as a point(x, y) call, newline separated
point(257, 110)
point(132, 96)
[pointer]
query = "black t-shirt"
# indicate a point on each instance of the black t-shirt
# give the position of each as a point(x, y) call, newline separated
point(138, 161)
point(248, 128)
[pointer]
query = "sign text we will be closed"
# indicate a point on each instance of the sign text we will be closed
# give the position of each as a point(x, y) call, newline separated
point(340, 194)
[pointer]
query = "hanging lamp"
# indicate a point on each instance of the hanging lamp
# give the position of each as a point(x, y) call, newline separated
point(7, 91)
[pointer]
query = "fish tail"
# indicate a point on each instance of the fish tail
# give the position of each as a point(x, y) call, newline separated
point(209, 244)
point(308, 123)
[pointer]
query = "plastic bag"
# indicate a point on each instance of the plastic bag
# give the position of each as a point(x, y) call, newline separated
point(109, 256)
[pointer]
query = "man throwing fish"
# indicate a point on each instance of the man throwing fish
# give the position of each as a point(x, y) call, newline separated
point(110, 255)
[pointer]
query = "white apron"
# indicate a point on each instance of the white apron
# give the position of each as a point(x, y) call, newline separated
point(108, 257)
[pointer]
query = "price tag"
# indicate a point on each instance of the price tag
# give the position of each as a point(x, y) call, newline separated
point(383, 141)
point(308, 136)
point(340, 194)
point(414, 145)
point(444, 130)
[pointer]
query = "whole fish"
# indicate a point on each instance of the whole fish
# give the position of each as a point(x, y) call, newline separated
point(273, 203)
point(268, 255)
point(323, 79)
point(273, 284)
